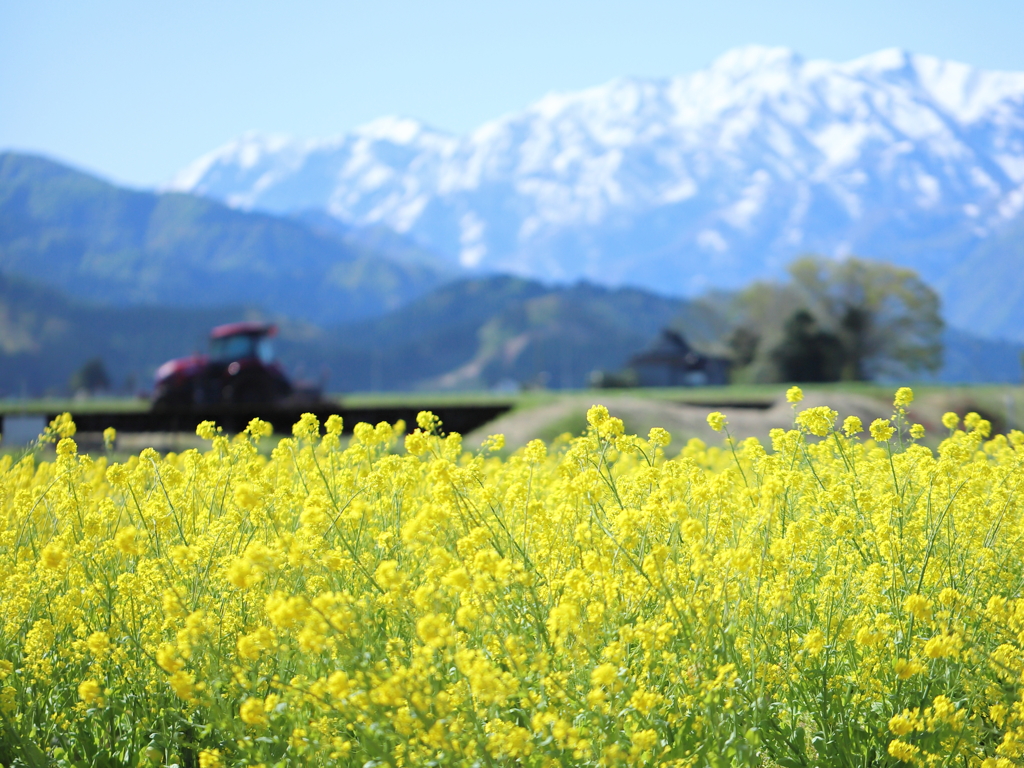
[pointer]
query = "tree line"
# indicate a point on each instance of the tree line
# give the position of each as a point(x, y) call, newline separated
point(845, 319)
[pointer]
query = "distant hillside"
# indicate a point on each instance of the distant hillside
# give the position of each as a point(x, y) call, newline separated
point(501, 331)
point(472, 334)
point(99, 242)
point(45, 336)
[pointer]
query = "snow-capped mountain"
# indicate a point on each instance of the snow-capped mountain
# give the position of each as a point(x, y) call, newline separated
point(707, 179)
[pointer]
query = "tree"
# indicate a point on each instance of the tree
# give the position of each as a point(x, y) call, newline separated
point(91, 377)
point(743, 343)
point(807, 353)
point(885, 317)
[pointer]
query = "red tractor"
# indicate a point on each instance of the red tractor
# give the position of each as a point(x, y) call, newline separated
point(240, 368)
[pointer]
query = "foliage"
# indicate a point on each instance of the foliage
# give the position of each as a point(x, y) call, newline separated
point(885, 316)
point(835, 601)
point(46, 336)
point(850, 319)
point(91, 377)
point(807, 353)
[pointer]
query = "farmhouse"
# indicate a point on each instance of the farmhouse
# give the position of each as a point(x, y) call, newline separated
point(671, 362)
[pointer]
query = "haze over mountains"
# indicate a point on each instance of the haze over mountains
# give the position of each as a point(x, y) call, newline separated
point(104, 243)
point(89, 270)
point(708, 179)
point(387, 252)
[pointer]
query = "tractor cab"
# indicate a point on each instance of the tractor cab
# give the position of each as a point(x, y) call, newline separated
point(239, 368)
point(243, 341)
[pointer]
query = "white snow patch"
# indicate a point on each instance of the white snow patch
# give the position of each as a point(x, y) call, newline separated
point(1012, 165)
point(741, 213)
point(1012, 204)
point(840, 143)
point(683, 189)
point(408, 213)
point(471, 235)
point(928, 188)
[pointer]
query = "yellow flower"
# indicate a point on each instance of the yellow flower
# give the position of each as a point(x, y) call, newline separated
point(210, 758)
point(183, 685)
point(535, 452)
point(940, 646)
point(90, 692)
point(919, 606)
point(493, 443)
point(307, 427)
point(814, 642)
point(66, 448)
point(417, 443)
point(950, 420)
point(63, 426)
point(882, 430)
point(794, 395)
point(167, 658)
point(917, 431)
point(53, 555)
point(904, 397)
point(901, 725)
point(604, 674)
point(252, 713)
point(716, 421)
point(207, 430)
point(125, 540)
point(818, 421)
point(98, 644)
point(334, 424)
point(258, 428)
point(906, 668)
point(658, 437)
point(109, 437)
point(8, 700)
point(866, 637)
point(428, 422)
point(345, 596)
point(643, 741)
point(597, 415)
point(903, 751)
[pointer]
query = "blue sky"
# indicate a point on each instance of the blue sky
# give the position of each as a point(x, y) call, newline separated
point(135, 90)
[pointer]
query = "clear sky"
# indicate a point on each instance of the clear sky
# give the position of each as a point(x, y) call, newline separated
point(136, 89)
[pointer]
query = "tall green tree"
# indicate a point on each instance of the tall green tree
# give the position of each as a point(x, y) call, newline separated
point(807, 353)
point(886, 318)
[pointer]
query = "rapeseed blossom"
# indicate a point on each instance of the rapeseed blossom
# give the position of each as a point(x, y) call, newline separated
point(396, 599)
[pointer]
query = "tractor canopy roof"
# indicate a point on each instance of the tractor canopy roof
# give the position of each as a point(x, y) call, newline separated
point(244, 328)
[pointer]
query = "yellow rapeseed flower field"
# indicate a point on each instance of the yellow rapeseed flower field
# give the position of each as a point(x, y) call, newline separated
point(832, 599)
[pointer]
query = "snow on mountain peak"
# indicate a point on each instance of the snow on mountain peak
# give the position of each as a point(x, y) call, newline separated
point(673, 183)
point(751, 59)
point(399, 130)
point(883, 61)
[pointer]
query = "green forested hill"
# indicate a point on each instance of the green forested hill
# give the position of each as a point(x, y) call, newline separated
point(499, 331)
point(99, 242)
point(496, 331)
point(469, 334)
point(45, 337)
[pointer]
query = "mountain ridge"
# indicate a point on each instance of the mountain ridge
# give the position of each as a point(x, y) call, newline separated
point(101, 242)
point(681, 183)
